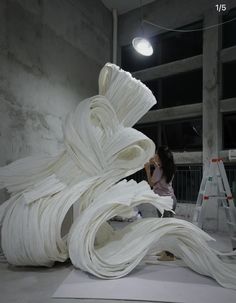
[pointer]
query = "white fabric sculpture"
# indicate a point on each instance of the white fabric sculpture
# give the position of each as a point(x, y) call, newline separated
point(101, 148)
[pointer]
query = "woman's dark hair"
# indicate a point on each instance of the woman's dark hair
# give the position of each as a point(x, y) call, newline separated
point(167, 162)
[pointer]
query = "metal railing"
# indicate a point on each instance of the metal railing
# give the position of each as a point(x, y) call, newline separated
point(188, 179)
point(187, 182)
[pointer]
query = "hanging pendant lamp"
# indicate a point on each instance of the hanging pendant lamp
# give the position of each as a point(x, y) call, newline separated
point(141, 44)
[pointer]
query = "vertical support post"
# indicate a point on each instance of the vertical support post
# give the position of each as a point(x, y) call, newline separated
point(114, 38)
point(212, 125)
point(212, 121)
point(3, 26)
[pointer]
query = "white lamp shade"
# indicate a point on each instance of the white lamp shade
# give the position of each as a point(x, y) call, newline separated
point(142, 46)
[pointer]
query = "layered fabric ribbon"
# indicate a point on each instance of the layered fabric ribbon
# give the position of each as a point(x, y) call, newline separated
point(100, 149)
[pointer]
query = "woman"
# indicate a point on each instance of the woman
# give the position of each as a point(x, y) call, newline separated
point(161, 182)
point(161, 178)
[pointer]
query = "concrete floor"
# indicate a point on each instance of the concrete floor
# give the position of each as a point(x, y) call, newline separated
point(37, 285)
point(26, 285)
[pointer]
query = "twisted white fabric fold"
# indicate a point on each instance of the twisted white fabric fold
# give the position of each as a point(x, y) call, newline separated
point(101, 148)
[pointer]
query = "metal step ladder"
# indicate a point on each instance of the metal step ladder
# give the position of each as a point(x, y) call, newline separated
point(215, 188)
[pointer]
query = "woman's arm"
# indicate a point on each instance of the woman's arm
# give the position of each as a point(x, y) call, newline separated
point(148, 172)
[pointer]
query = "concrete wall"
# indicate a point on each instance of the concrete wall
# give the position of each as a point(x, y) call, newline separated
point(51, 53)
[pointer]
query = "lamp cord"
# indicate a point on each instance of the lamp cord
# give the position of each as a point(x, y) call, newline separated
point(190, 30)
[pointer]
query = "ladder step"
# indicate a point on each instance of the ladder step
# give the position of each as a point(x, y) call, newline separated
point(217, 197)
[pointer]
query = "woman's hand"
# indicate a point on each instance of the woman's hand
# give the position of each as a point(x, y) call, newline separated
point(147, 165)
point(153, 161)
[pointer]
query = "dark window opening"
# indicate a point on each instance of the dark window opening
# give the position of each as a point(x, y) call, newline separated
point(180, 45)
point(229, 127)
point(167, 47)
point(229, 29)
point(183, 135)
point(228, 83)
point(181, 89)
point(151, 130)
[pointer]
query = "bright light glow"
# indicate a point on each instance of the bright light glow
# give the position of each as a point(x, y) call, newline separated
point(142, 46)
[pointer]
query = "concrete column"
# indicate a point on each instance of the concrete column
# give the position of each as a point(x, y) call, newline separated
point(212, 124)
point(211, 115)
